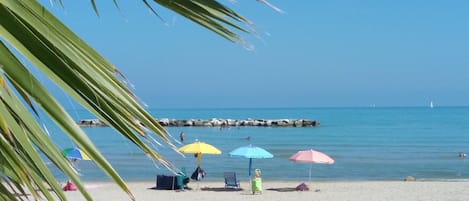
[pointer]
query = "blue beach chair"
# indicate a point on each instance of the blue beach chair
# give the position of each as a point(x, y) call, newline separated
point(230, 180)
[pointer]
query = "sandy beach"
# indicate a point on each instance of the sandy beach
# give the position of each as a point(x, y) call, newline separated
point(284, 190)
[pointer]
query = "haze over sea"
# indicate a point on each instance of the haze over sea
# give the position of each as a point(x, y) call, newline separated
point(366, 143)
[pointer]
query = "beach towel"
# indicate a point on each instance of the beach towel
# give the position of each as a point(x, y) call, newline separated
point(256, 185)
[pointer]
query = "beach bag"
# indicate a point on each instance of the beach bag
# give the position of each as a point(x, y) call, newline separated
point(201, 174)
point(302, 187)
point(198, 174)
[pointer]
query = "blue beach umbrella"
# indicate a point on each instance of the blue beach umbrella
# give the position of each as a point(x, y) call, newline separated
point(251, 152)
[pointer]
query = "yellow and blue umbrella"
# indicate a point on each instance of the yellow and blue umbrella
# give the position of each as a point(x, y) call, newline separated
point(75, 153)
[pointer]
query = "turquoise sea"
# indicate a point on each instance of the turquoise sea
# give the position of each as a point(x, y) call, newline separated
point(366, 143)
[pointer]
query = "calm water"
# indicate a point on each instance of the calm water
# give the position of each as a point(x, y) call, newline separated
point(366, 143)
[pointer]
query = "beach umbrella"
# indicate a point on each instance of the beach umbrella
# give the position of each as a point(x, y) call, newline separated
point(311, 156)
point(199, 148)
point(250, 152)
point(75, 153)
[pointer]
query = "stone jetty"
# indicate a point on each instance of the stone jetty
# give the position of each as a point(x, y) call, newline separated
point(214, 122)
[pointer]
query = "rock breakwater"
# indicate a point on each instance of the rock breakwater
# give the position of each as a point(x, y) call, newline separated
point(214, 122)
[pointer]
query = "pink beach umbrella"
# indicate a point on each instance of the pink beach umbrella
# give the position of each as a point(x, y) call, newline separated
point(311, 156)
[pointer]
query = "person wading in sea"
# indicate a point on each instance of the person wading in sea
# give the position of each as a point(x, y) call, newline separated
point(182, 136)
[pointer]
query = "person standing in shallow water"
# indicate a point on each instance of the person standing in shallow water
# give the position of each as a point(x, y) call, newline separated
point(182, 136)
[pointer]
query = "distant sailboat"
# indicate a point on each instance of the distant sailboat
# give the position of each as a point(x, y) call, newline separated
point(431, 104)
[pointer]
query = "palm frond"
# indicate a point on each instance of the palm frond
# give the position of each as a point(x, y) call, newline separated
point(88, 78)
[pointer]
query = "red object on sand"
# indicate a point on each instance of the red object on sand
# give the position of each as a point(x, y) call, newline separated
point(69, 187)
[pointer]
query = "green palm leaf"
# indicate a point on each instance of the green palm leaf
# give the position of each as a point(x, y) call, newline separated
point(88, 78)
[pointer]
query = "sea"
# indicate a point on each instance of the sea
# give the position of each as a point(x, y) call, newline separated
point(369, 143)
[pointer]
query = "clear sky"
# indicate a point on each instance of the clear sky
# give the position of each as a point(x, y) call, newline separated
point(319, 53)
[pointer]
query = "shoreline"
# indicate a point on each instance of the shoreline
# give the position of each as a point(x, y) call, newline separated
point(284, 190)
point(215, 180)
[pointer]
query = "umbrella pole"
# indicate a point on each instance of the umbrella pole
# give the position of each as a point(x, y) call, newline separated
point(199, 159)
point(250, 167)
point(310, 167)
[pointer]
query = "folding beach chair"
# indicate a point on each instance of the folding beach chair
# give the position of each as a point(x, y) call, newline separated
point(182, 179)
point(230, 180)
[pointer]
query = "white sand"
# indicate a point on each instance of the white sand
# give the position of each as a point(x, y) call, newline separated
point(330, 191)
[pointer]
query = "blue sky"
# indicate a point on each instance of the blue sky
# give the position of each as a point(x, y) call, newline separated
point(326, 53)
